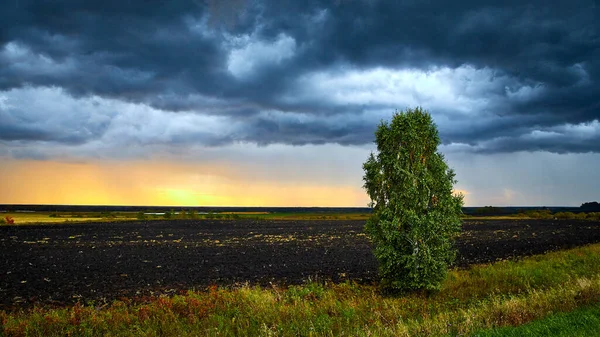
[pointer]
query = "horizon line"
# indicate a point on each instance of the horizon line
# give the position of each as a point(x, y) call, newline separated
point(265, 206)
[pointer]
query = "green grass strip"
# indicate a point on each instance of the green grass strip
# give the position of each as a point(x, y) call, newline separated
point(508, 293)
point(583, 322)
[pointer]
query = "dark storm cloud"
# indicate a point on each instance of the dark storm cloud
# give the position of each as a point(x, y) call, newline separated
point(296, 132)
point(242, 59)
point(65, 129)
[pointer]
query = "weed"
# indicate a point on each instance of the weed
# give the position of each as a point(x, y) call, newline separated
point(507, 293)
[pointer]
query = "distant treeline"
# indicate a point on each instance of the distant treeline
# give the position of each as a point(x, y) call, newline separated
point(546, 214)
point(500, 211)
point(593, 206)
point(200, 209)
point(587, 211)
point(486, 210)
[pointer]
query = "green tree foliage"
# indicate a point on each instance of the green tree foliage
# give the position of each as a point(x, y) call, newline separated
point(415, 213)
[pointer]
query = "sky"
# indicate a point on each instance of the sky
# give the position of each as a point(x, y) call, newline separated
point(275, 103)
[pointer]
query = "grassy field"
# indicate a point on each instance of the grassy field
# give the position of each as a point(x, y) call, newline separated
point(309, 216)
point(471, 302)
point(583, 322)
point(43, 217)
point(22, 218)
point(74, 217)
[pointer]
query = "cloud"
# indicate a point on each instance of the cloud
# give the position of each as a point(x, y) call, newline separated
point(535, 178)
point(32, 119)
point(566, 138)
point(517, 76)
point(47, 115)
point(249, 57)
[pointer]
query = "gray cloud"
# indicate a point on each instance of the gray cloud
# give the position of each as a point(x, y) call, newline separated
point(497, 78)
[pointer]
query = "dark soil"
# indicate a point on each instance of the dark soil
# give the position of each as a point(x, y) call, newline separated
point(100, 262)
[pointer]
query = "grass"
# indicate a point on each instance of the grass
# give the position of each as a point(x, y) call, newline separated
point(22, 218)
point(581, 322)
point(508, 293)
point(310, 216)
point(493, 217)
point(77, 217)
point(44, 217)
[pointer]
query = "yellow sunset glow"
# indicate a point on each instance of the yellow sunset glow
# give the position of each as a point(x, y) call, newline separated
point(154, 183)
point(465, 194)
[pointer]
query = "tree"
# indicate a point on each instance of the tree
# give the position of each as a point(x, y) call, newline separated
point(593, 206)
point(416, 215)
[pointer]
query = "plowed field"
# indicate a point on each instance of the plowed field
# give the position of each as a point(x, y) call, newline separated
point(61, 264)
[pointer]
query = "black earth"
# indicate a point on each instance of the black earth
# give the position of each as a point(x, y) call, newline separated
point(100, 262)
